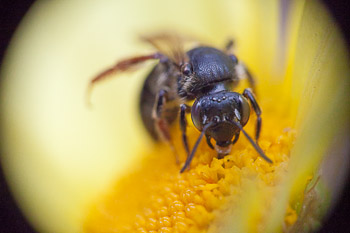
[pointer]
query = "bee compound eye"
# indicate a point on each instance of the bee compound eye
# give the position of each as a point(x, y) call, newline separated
point(244, 111)
point(186, 69)
point(233, 58)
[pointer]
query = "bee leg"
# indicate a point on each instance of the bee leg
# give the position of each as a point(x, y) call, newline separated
point(236, 138)
point(243, 72)
point(209, 142)
point(161, 124)
point(127, 64)
point(183, 124)
point(122, 66)
point(248, 94)
point(230, 45)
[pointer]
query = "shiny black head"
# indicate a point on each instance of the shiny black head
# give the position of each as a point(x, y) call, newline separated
point(206, 69)
point(220, 110)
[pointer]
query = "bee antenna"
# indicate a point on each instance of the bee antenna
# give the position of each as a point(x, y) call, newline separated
point(190, 157)
point(255, 145)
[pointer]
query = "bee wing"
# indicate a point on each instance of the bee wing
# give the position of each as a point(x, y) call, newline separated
point(170, 45)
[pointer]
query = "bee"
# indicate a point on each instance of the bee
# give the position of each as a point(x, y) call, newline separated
point(205, 75)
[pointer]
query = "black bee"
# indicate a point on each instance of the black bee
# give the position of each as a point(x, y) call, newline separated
point(204, 74)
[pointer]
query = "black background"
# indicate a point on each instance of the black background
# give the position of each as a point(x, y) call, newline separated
point(11, 219)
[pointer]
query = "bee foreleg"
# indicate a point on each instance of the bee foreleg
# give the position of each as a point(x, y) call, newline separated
point(183, 124)
point(236, 138)
point(209, 142)
point(249, 95)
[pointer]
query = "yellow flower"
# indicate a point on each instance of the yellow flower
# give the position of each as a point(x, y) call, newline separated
point(75, 169)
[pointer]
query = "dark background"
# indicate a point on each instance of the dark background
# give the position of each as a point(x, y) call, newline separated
point(11, 219)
